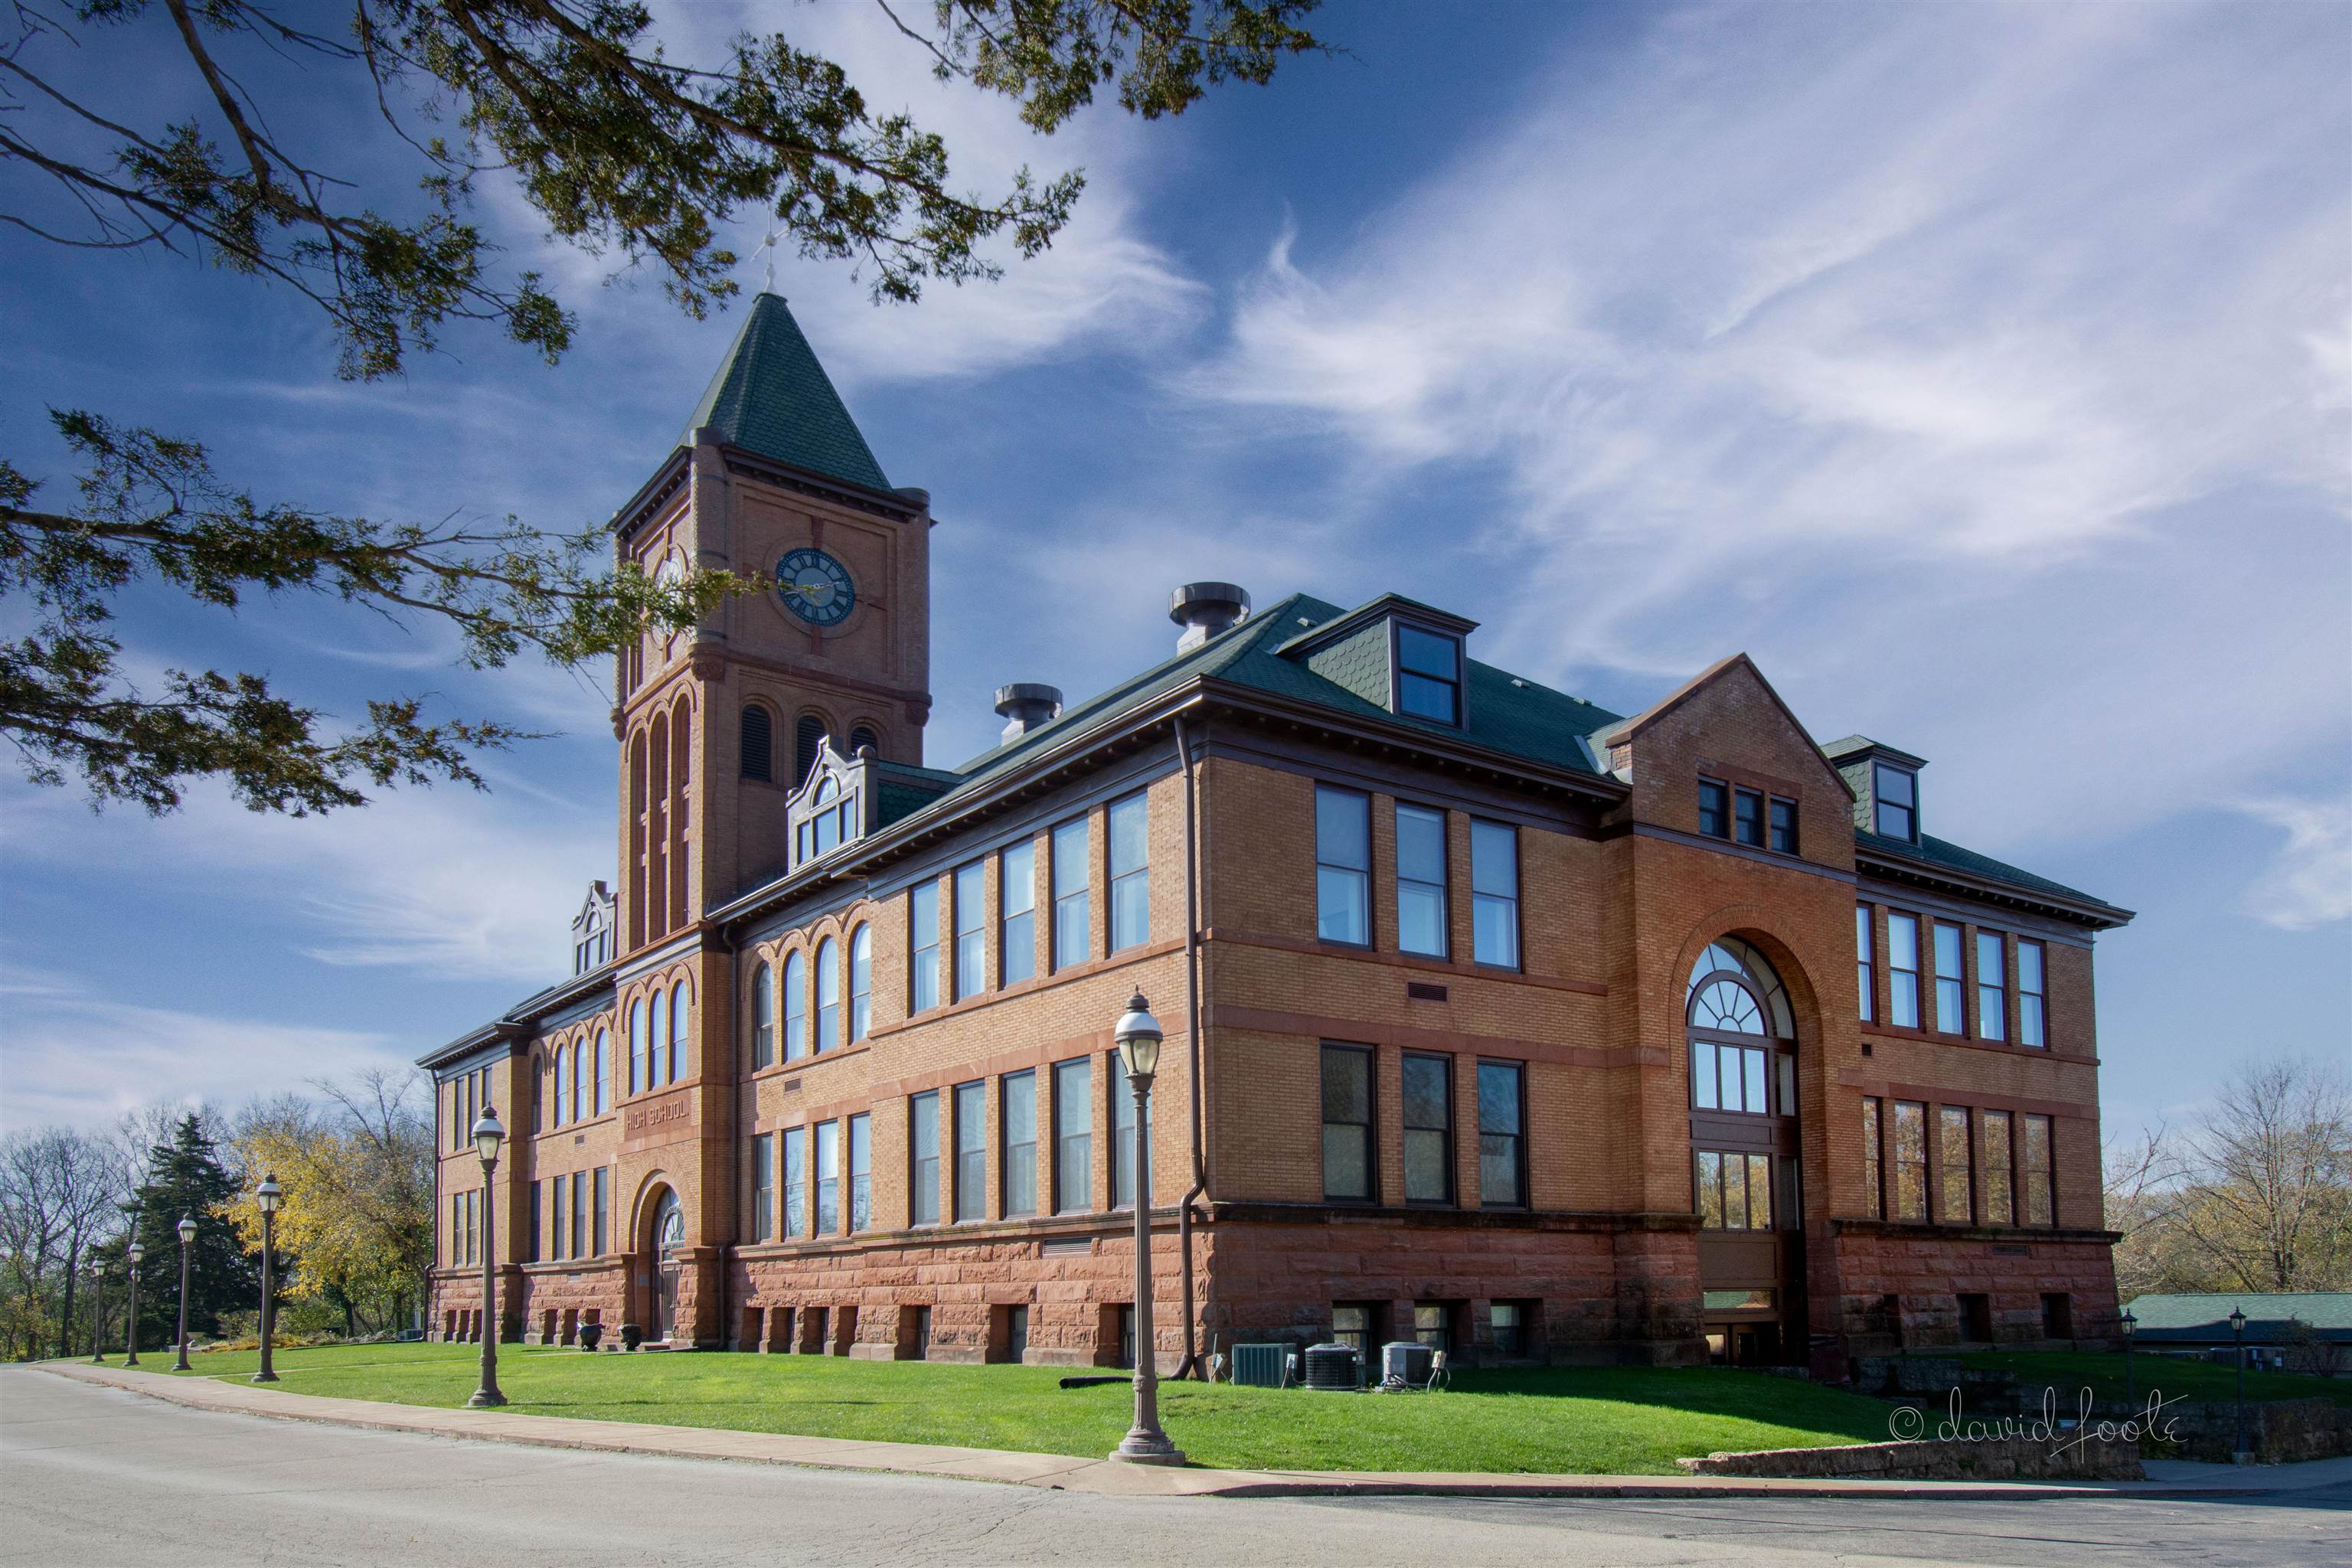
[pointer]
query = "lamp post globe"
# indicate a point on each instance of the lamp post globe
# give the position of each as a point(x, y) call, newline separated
point(1137, 1035)
point(268, 1195)
point(489, 1133)
point(2129, 1325)
point(134, 1252)
point(187, 1238)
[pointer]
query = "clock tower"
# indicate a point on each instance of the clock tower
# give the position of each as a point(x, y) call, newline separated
point(718, 725)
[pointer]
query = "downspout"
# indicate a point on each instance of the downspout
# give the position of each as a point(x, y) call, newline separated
point(1192, 1363)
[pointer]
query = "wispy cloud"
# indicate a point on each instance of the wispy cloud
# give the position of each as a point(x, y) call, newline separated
point(2310, 883)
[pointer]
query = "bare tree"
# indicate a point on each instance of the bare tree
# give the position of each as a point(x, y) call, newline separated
point(58, 1191)
point(2268, 1199)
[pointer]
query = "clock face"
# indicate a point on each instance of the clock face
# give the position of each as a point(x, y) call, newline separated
point(815, 587)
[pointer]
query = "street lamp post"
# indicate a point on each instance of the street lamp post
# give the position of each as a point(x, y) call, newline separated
point(132, 1253)
point(2129, 1324)
point(97, 1313)
point(187, 1238)
point(269, 1195)
point(1138, 1034)
point(488, 1133)
point(2238, 1454)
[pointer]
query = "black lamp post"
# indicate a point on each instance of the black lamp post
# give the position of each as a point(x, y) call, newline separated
point(187, 1238)
point(488, 1133)
point(2238, 1454)
point(269, 1195)
point(97, 1313)
point(2128, 1325)
point(1138, 1034)
point(133, 1253)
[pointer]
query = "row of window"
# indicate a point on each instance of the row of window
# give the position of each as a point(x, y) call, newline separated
point(579, 1083)
point(757, 747)
point(827, 1014)
point(1439, 1325)
point(1426, 1129)
point(658, 1051)
point(1343, 883)
point(468, 1092)
point(578, 1222)
point(1985, 1167)
point(948, 1144)
point(1987, 971)
point(1747, 816)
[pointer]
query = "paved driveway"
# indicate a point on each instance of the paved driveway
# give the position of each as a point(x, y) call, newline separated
point(95, 1476)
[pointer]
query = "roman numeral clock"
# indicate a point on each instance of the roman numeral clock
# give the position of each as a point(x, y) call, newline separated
point(815, 587)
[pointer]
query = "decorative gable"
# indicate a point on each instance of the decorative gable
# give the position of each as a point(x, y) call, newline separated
point(834, 805)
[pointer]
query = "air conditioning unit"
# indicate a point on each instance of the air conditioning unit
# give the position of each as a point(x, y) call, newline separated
point(1257, 1366)
point(1335, 1366)
point(1405, 1361)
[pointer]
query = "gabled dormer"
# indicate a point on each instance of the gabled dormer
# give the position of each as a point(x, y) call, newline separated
point(1886, 784)
point(1396, 654)
point(834, 805)
point(592, 930)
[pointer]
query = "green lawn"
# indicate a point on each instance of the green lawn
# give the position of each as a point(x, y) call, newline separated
point(2178, 1377)
point(1615, 1421)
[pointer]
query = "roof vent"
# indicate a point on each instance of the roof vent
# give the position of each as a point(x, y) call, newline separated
point(1204, 609)
point(1026, 705)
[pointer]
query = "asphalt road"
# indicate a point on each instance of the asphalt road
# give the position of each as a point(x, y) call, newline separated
point(98, 1476)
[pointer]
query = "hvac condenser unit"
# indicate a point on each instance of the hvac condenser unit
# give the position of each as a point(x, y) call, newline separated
point(1402, 1361)
point(1258, 1366)
point(1335, 1366)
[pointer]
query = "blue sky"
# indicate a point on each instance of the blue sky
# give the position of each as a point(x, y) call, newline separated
point(1983, 372)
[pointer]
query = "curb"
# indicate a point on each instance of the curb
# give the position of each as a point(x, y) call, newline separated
point(1059, 1472)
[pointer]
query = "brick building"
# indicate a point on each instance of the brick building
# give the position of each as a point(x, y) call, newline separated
point(1493, 1018)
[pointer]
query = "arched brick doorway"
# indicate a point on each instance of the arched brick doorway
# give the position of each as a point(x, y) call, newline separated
point(663, 1239)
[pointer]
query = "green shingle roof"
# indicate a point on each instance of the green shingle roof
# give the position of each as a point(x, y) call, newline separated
point(2205, 1314)
point(1945, 852)
point(771, 397)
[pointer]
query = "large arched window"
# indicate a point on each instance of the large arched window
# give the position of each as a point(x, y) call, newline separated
point(1735, 1008)
point(861, 981)
point(807, 736)
point(758, 745)
point(828, 995)
point(580, 1087)
point(656, 1040)
point(604, 1072)
point(763, 1016)
point(681, 1028)
point(795, 1006)
point(638, 1072)
point(556, 1100)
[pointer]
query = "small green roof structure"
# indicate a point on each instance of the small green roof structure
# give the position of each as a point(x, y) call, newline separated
point(773, 399)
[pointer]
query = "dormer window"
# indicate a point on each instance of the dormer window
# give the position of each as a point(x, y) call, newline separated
point(1429, 674)
point(1896, 792)
point(828, 811)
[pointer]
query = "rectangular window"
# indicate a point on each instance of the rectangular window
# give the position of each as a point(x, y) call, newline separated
point(560, 1215)
point(580, 1215)
point(1714, 809)
point(1502, 1136)
point(1016, 903)
point(1073, 886)
point(1421, 880)
point(923, 1173)
point(762, 1188)
point(1865, 973)
point(1343, 863)
point(1955, 1192)
point(1910, 1160)
point(1495, 894)
point(1783, 826)
point(2032, 1019)
point(1073, 1143)
point(972, 930)
point(923, 942)
point(1130, 873)
point(1432, 1326)
point(1348, 1123)
point(1351, 1325)
point(1506, 1324)
point(861, 1172)
point(1748, 818)
point(1897, 794)
point(1735, 1190)
point(1873, 1155)
point(796, 1183)
point(972, 1151)
point(1429, 675)
point(1728, 1077)
point(1902, 970)
point(2041, 1204)
point(1122, 1134)
point(1019, 1141)
point(1951, 982)
point(535, 1255)
point(602, 1240)
point(1428, 1085)
point(1999, 1170)
point(828, 1177)
point(1992, 987)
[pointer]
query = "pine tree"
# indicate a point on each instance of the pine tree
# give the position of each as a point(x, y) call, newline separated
point(184, 1177)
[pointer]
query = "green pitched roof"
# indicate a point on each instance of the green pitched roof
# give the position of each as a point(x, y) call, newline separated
point(2205, 1314)
point(771, 396)
point(1945, 852)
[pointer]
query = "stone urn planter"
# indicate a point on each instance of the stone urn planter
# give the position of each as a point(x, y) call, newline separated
point(591, 1335)
point(631, 1336)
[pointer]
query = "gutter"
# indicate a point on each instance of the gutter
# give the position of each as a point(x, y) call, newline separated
point(1193, 862)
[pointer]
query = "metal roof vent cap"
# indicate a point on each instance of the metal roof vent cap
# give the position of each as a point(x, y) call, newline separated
point(1204, 609)
point(1026, 705)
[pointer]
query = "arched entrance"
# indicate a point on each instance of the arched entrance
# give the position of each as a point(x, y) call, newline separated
point(1744, 1146)
point(665, 1239)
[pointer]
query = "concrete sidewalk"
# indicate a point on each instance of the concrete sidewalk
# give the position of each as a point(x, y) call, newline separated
point(1061, 1472)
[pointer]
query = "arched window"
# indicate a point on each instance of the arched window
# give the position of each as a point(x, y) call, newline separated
point(861, 981)
point(1729, 959)
point(603, 1075)
point(828, 995)
point(807, 736)
point(862, 737)
point(681, 1026)
point(763, 1016)
point(656, 1040)
point(795, 1007)
point(538, 1093)
point(580, 1089)
point(556, 1098)
point(1737, 1010)
point(639, 1076)
point(759, 743)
